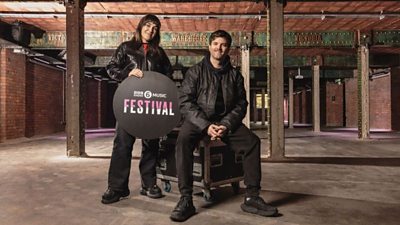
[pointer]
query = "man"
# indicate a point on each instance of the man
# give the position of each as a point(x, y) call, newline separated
point(213, 102)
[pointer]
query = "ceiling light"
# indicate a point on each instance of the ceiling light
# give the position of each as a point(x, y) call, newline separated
point(381, 16)
point(298, 75)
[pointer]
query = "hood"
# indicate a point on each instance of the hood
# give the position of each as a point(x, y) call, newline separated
point(226, 65)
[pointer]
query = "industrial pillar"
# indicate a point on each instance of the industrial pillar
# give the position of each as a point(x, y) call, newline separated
point(290, 103)
point(276, 123)
point(245, 52)
point(75, 94)
point(363, 92)
point(316, 99)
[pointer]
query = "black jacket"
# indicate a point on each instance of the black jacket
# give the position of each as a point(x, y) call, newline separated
point(130, 55)
point(198, 93)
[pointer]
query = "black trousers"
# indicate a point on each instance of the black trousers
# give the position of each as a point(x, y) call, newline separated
point(120, 165)
point(241, 140)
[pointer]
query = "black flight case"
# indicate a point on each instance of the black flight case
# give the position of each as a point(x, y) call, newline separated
point(214, 165)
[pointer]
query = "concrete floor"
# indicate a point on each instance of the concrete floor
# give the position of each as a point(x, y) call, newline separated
point(40, 185)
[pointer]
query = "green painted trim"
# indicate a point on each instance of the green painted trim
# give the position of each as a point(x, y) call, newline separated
point(319, 39)
point(258, 61)
point(339, 61)
point(386, 38)
point(93, 39)
point(297, 61)
point(327, 74)
point(199, 40)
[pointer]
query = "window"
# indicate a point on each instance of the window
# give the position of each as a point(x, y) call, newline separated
point(259, 101)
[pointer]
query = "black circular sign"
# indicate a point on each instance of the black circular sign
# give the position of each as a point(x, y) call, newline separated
point(147, 107)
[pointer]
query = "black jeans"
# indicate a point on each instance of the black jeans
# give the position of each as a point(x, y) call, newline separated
point(120, 165)
point(241, 140)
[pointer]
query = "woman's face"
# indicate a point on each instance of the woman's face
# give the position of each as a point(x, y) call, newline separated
point(148, 32)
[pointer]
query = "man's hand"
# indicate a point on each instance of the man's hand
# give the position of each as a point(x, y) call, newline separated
point(212, 131)
point(216, 131)
point(136, 72)
point(222, 130)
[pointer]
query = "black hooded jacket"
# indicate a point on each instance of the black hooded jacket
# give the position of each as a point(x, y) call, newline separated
point(198, 94)
point(130, 55)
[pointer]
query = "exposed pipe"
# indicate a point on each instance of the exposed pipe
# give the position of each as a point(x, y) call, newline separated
point(322, 15)
point(326, 15)
point(128, 15)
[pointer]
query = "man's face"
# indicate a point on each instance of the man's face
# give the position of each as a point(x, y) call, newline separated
point(218, 48)
point(149, 31)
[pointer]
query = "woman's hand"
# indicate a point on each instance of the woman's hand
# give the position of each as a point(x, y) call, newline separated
point(136, 72)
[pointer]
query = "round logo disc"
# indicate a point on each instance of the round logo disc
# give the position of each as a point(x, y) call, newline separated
point(147, 107)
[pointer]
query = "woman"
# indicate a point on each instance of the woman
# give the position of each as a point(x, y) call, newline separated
point(131, 58)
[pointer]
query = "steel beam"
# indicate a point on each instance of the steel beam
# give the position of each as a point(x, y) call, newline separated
point(75, 93)
point(363, 92)
point(316, 99)
point(276, 123)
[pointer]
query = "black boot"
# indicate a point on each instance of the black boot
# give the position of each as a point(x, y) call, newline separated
point(153, 192)
point(256, 205)
point(183, 210)
point(111, 196)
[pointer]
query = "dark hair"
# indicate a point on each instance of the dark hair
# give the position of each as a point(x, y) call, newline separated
point(220, 33)
point(153, 43)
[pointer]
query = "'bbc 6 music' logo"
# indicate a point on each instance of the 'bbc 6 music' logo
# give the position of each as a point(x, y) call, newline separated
point(147, 94)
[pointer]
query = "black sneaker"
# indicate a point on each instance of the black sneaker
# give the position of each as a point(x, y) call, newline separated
point(153, 192)
point(183, 210)
point(111, 196)
point(257, 205)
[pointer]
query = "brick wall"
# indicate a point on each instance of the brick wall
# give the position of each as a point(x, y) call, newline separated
point(322, 100)
point(92, 103)
point(351, 102)
point(31, 97)
point(334, 104)
point(12, 94)
point(308, 114)
point(296, 108)
point(2, 94)
point(395, 98)
point(380, 103)
point(44, 100)
point(303, 106)
point(30, 101)
point(302, 109)
point(99, 104)
point(106, 104)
